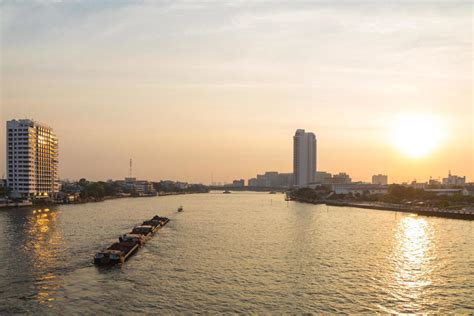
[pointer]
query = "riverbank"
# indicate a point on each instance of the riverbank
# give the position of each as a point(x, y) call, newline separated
point(87, 200)
point(464, 214)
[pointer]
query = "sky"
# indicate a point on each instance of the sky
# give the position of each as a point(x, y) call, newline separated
point(201, 90)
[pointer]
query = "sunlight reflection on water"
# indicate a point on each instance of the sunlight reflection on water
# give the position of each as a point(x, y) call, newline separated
point(413, 256)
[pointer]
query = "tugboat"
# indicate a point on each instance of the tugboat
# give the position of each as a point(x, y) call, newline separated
point(180, 209)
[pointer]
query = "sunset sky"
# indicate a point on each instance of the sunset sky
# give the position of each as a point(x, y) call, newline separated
point(190, 89)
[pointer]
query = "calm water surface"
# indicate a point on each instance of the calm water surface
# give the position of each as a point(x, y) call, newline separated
point(241, 252)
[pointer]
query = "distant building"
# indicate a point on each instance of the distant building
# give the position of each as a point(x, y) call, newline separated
point(143, 186)
point(468, 190)
point(417, 185)
point(304, 158)
point(434, 182)
point(272, 179)
point(359, 188)
point(32, 159)
point(341, 178)
point(238, 183)
point(380, 179)
point(322, 177)
point(445, 191)
point(454, 180)
point(286, 180)
point(139, 187)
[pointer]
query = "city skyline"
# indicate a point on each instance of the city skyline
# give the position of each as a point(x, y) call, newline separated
point(14, 123)
point(119, 82)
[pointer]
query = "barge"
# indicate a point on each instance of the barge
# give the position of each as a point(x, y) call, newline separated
point(128, 244)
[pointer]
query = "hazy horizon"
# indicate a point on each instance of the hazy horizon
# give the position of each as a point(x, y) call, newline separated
point(194, 90)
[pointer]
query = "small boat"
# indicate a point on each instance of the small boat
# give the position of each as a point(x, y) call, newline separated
point(180, 209)
point(272, 192)
point(226, 192)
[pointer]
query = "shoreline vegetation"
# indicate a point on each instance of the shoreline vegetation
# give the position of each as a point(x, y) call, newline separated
point(398, 199)
point(84, 191)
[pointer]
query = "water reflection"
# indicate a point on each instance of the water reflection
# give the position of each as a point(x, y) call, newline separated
point(43, 241)
point(413, 261)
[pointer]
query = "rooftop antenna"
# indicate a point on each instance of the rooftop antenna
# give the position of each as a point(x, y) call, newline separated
point(130, 167)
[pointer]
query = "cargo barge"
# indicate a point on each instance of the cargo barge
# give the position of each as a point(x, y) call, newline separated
point(129, 243)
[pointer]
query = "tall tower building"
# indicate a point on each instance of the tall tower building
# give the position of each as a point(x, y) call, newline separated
point(32, 159)
point(304, 157)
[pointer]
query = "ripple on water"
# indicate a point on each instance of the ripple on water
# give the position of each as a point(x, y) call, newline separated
point(236, 253)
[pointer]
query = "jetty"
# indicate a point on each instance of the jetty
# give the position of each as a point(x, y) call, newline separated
point(128, 244)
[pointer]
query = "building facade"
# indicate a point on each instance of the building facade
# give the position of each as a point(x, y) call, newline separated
point(32, 159)
point(359, 188)
point(272, 179)
point(304, 158)
point(341, 178)
point(139, 187)
point(454, 180)
point(238, 183)
point(380, 179)
point(322, 177)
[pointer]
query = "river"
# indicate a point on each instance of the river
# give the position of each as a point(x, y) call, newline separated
point(235, 253)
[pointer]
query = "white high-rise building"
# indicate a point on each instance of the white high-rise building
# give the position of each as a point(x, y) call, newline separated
point(32, 159)
point(304, 158)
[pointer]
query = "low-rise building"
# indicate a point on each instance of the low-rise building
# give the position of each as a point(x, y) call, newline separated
point(445, 191)
point(452, 180)
point(417, 185)
point(322, 177)
point(252, 182)
point(358, 188)
point(468, 190)
point(341, 178)
point(140, 187)
point(272, 179)
point(380, 179)
point(238, 183)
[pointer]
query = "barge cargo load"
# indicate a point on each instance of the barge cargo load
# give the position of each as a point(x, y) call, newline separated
point(129, 243)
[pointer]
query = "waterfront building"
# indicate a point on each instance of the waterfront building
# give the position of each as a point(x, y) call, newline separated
point(454, 180)
point(286, 180)
point(32, 159)
point(359, 188)
point(272, 179)
point(140, 187)
point(238, 183)
point(261, 180)
point(380, 179)
point(252, 182)
point(304, 157)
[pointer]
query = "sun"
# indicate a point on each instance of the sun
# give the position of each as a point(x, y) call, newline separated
point(417, 136)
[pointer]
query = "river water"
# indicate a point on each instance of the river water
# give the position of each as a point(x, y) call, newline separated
point(235, 253)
